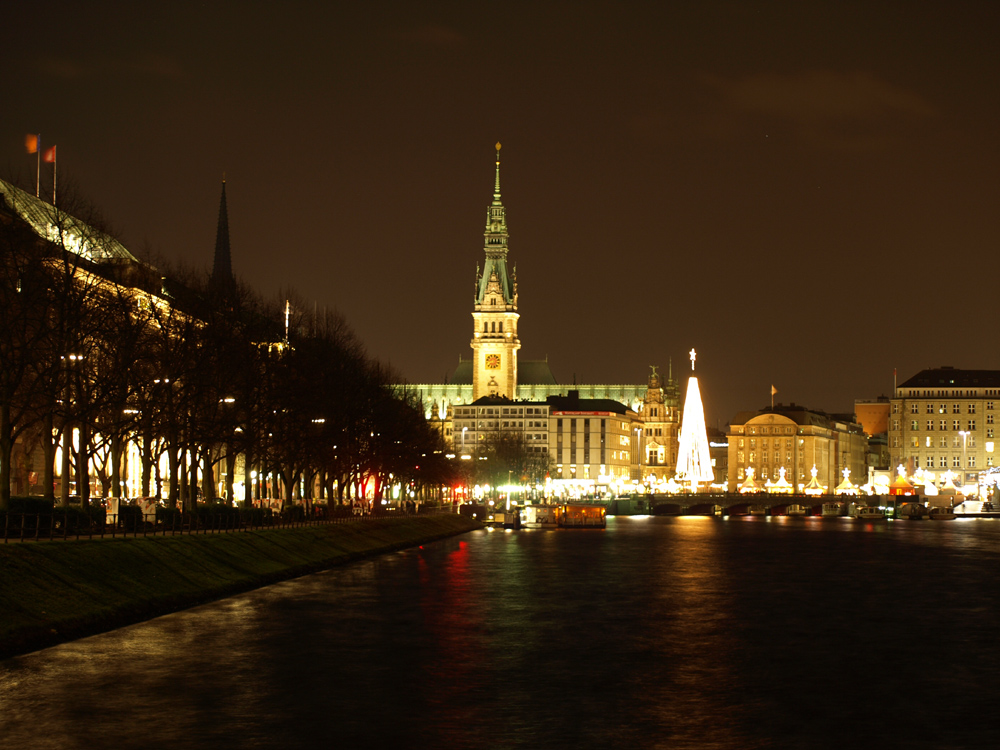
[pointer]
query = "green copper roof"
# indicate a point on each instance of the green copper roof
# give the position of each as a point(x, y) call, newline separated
point(496, 247)
point(58, 227)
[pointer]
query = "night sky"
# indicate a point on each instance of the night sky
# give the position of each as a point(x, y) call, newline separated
point(807, 193)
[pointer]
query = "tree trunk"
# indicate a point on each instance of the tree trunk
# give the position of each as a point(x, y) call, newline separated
point(208, 476)
point(116, 466)
point(6, 449)
point(247, 480)
point(48, 458)
point(83, 466)
point(147, 465)
point(64, 469)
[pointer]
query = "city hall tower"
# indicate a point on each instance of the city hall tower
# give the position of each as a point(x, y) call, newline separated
point(494, 317)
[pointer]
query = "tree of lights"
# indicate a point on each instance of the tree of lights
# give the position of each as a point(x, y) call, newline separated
point(694, 460)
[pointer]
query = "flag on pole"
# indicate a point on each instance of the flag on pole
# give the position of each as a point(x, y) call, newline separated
point(773, 390)
point(33, 142)
point(50, 155)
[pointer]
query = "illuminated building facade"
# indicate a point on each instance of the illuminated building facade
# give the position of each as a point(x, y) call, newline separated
point(660, 413)
point(795, 439)
point(594, 440)
point(944, 420)
point(495, 369)
point(474, 423)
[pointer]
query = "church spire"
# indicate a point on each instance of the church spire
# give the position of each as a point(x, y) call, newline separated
point(222, 281)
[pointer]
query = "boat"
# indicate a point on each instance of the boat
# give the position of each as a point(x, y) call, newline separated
point(911, 511)
point(758, 510)
point(832, 510)
point(540, 516)
point(941, 514)
point(794, 509)
point(580, 516)
point(865, 513)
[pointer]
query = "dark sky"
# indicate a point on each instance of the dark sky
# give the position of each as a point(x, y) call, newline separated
point(807, 193)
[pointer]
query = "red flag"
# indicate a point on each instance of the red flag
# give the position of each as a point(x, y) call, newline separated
point(31, 143)
point(50, 155)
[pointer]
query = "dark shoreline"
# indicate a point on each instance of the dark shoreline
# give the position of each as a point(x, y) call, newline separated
point(53, 592)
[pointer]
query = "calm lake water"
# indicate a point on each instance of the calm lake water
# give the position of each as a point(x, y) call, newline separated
point(656, 632)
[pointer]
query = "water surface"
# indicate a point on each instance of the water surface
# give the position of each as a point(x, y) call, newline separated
point(656, 632)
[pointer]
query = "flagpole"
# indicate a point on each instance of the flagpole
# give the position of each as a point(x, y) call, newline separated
point(38, 167)
point(55, 157)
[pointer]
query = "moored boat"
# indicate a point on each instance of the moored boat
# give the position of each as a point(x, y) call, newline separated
point(911, 511)
point(941, 514)
point(794, 509)
point(579, 516)
point(865, 513)
point(832, 510)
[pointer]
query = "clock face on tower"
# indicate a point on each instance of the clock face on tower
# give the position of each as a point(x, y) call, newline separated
point(492, 362)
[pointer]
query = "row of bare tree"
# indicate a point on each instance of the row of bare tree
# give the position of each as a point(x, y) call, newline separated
point(98, 350)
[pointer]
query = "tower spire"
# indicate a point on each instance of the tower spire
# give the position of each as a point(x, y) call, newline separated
point(222, 281)
point(496, 186)
point(494, 339)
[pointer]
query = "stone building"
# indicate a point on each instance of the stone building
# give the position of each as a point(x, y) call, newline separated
point(943, 420)
point(795, 439)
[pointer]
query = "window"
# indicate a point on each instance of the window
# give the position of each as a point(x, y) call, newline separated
point(930, 425)
point(914, 441)
point(928, 442)
point(972, 462)
point(895, 408)
point(956, 462)
point(989, 432)
point(913, 425)
point(501, 326)
point(943, 409)
point(930, 462)
point(956, 409)
point(943, 442)
point(944, 424)
point(895, 425)
point(989, 419)
point(972, 408)
point(972, 425)
point(914, 408)
point(930, 408)
point(956, 424)
point(989, 405)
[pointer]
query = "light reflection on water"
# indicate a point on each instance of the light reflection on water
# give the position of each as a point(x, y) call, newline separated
point(657, 632)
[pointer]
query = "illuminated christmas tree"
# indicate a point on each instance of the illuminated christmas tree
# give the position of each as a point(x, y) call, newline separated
point(694, 460)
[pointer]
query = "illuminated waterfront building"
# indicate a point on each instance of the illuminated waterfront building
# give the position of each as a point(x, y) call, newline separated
point(793, 439)
point(944, 420)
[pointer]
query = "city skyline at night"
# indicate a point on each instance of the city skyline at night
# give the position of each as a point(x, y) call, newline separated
point(804, 192)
